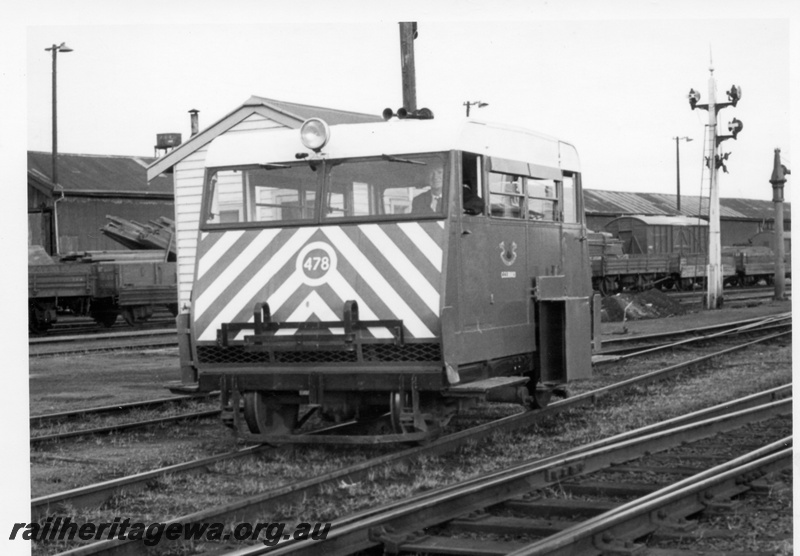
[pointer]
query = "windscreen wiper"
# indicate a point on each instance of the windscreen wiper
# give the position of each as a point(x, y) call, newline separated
point(404, 160)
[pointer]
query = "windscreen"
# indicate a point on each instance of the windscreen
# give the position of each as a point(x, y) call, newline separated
point(263, 194)
point(378, 188)
point(389, 186)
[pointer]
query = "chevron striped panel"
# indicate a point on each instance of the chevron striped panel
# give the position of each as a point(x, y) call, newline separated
point(393, 271)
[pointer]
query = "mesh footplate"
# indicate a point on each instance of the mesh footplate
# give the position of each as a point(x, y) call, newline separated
point(371, 353)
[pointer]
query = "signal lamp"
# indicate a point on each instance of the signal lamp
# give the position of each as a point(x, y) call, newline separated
point(314, 134)
point(734, 94)
point(735, 126)
point(694, 97)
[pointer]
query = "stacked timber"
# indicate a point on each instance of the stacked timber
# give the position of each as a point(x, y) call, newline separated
point(157, 234)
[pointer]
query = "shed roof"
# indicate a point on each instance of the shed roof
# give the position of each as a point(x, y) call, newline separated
point(618, 203)
point(289, 114)
point(663, 220)
point(104, 174)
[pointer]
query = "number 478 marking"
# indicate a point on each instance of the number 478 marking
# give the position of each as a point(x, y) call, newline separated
point(314, 263)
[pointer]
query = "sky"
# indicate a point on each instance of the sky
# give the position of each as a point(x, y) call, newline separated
point(612, 82)
point(611, 77)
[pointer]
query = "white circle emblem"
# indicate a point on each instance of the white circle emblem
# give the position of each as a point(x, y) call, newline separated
point(315, 261)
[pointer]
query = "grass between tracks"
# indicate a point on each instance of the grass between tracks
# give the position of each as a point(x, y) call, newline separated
point(759, 368)
point(740, 374)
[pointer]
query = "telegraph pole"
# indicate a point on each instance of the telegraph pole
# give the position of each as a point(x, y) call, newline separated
point(408, 32)
point(714, 162)
point(777, 180)
point(677, 167)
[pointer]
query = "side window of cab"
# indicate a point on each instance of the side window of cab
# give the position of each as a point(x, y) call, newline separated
point(472, 196)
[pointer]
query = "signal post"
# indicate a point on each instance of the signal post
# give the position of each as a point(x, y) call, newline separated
point(714, 162)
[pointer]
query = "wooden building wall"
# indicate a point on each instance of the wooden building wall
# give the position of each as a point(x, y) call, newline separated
point(188, 175)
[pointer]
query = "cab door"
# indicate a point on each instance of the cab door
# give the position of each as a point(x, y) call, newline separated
point(495, 308)
point(473, 247)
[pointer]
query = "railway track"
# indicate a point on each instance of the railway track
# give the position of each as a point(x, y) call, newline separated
point(71, 325)
point(85, 343)
point(614, 528)
point(57, 420)
point(250, 508)
point(731, 296)
point(634, 346)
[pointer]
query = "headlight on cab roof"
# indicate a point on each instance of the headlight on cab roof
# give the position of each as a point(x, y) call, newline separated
point(314, 133)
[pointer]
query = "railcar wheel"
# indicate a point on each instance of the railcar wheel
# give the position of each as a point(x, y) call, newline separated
point(104, 312)
point(105, 318)
point(264, 415)
point(38, 326)
point(608, 286)
point(540, 396)
point(136, 315)
point(41, 318)
point(396, 404)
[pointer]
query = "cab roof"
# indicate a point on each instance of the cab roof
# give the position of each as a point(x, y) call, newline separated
point(395, 137)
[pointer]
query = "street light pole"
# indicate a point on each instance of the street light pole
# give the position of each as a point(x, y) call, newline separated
point(477, 103)
point(55, 49)
point(678, 166)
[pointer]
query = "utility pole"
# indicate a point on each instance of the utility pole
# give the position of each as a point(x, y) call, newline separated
point(408, 32)
point(55, 49)
point(678, 168)
point(777, 180)
point(714, 162)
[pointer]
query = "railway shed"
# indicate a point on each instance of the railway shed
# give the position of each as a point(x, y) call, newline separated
point(67, 216)
point(740, 219)
point(186, 162)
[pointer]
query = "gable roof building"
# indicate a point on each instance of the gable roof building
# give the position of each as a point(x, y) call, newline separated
point(187, 161)
point(257, 113)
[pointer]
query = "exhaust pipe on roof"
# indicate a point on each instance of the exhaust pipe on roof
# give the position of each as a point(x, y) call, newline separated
point(195, 122)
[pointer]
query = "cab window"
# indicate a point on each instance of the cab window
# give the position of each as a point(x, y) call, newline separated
point(542, 199)
point(262, 194)
point(506, 195)
point(385, 187)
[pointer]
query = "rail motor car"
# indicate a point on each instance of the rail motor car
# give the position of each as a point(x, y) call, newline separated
point(338, 271)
